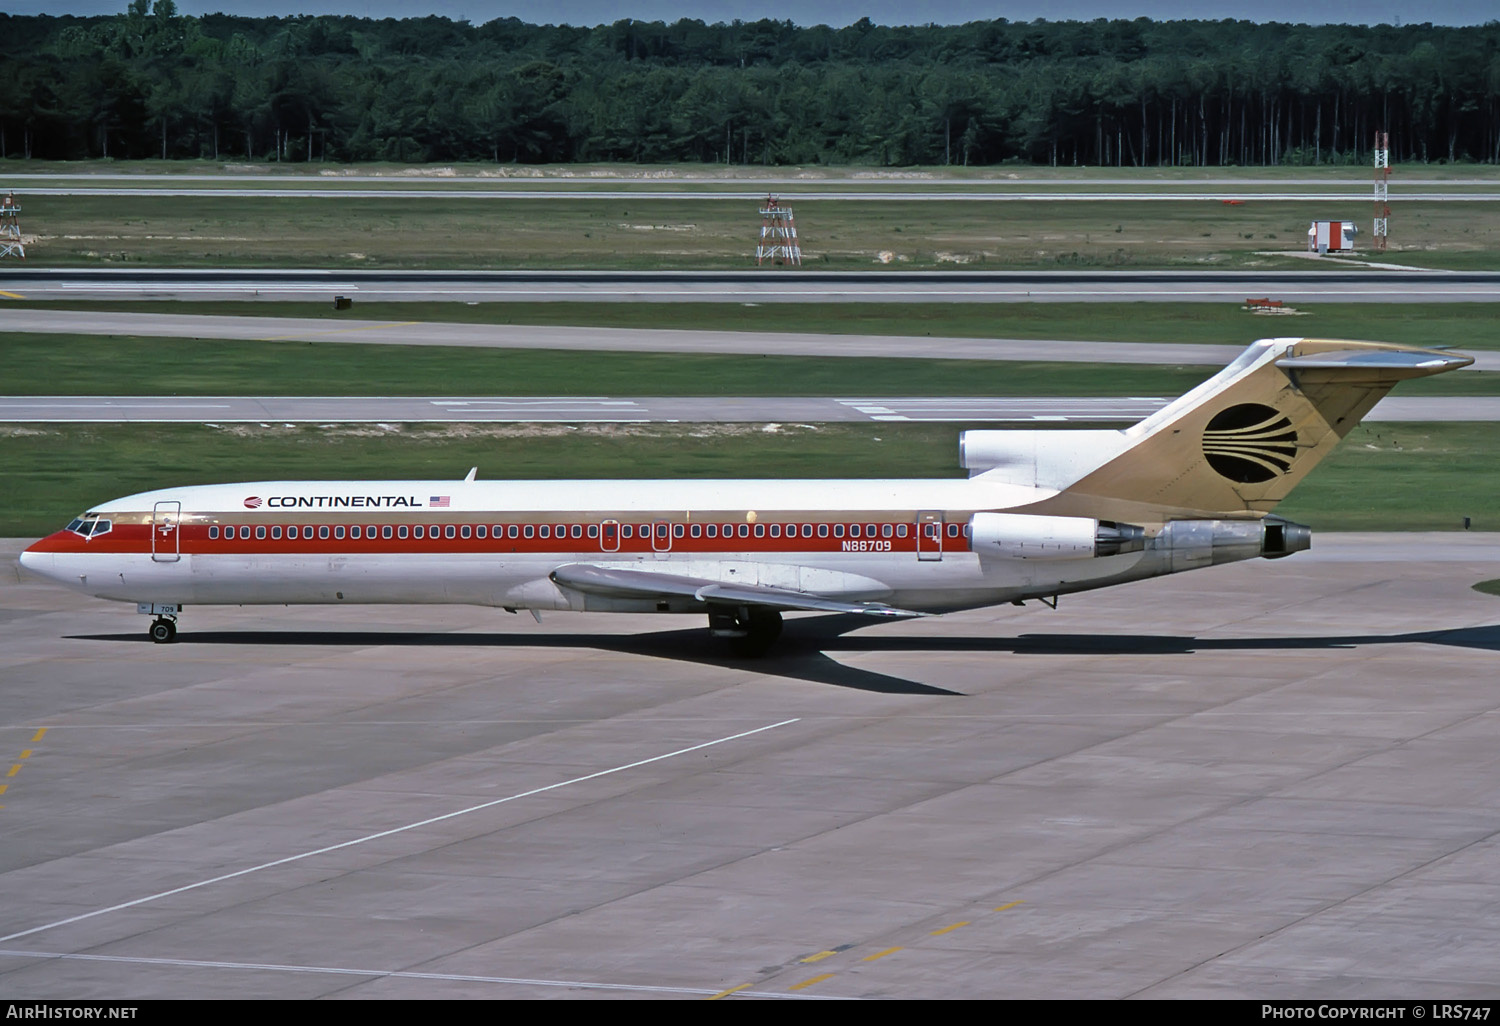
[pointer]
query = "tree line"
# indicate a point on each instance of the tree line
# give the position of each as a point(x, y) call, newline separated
point(152, 83)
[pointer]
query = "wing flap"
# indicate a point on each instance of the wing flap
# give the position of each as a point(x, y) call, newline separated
point(613, 582)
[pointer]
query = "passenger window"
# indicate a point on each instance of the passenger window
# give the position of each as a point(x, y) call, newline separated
point(696, 531)
point(838, 530)
point(854, 530)
point(213, 534)
point(775, 530)
point(625, 531)
point(886, 530)
point(512, 531)
point(464, 532)
point(276, 533)
point(481, 532)
point(713, 530)
point(760, 530)
point(544, 531)
point(354, 531)
point(744, 531)
point(900, 530)
point(244, 534)
point(593, 530)
point(807, 530)
point(402, 531)
point(531, 531)
point(448, 532)
point(385, 532)
point(677, 530)
point(576, 530)
point(419, 532)
point(822, 530)
point(338, 532)
point(323, 531)
point(952, 530)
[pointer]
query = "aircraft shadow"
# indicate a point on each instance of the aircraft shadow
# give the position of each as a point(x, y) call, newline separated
point(803, 651)
point(798, 653)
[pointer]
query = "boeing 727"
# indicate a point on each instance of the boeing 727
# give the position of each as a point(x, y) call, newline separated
point(1042, 514)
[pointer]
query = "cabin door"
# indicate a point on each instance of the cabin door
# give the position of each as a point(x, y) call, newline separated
point(930, 534)
point(164, 521)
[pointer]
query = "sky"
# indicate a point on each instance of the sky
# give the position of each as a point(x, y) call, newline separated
point(827, 12)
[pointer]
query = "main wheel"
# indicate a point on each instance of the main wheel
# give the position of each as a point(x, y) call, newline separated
point(163, 631)
point(764, 627)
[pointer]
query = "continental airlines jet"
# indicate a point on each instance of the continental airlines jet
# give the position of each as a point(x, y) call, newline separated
point(1043, 513)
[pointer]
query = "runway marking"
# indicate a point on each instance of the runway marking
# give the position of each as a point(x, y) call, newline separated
point(341, 331)
point(12, 295)
point(819, 956)
point(39, 734)
point(732, 990)
point(399, 974)
point(388, 833)
point(14, 770)
point(948, 929)
point(808, 983)
point(1013, 904)
point(882, 954)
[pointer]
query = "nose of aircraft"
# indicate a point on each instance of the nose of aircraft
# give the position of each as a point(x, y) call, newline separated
point(37, 562)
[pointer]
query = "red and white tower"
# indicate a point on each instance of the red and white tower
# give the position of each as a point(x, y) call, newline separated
point(10, 228)
point(778, 236)
point(1382, 198)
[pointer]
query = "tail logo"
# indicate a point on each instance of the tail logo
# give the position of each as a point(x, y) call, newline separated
point(1250, 443)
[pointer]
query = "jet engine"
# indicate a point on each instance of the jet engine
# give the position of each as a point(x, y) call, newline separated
point(1191, 543)
point(1026, 536)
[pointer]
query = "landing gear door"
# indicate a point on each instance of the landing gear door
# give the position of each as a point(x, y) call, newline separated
point(164, 530)
point(930, 534)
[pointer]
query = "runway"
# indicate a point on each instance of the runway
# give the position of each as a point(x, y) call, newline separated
point(1273, 780)
point(650, 340)
point(643, 409)
point(1340, 282)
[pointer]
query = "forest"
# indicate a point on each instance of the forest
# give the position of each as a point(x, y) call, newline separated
point(152, 83)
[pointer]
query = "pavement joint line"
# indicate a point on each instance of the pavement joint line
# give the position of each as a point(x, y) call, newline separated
point(399, 974)
point(387, 833)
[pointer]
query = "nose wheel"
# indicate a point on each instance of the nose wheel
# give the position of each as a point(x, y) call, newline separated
point(163, 630)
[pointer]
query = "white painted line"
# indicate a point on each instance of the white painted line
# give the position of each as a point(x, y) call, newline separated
point(190, 963)
point(389, 833)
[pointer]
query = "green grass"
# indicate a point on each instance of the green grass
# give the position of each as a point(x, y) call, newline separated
point(1488, 587)
point(1403, 477)
point(1462, 325)
point(53, 472)
point(123, 365)
point(704, 231)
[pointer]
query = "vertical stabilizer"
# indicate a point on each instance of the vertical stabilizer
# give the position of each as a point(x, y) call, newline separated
point(1240, 442)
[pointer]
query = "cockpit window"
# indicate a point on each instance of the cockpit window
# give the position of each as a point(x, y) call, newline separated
point(89, 525)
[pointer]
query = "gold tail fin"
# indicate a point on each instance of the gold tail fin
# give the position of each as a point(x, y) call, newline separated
point(1238, 443)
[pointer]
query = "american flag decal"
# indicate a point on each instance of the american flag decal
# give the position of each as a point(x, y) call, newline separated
point(438, 502)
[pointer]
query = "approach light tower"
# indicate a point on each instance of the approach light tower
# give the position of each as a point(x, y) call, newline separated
point(1382, 198)
point(10, 228)
point(778, 235)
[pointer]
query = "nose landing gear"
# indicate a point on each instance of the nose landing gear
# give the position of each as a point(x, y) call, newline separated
point(164, 628)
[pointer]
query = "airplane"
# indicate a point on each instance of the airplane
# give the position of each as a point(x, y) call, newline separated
point(1042, 514)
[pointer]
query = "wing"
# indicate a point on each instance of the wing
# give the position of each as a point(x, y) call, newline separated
point(612, 582)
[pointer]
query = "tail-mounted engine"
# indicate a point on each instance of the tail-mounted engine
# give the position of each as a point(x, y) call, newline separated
point(1203, 542)
point(1025, 536)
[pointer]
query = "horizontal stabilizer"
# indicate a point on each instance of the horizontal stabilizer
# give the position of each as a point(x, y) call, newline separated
point(1386, 364)
point(612, 582)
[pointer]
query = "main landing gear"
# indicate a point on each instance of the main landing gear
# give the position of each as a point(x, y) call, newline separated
point(751, 630)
